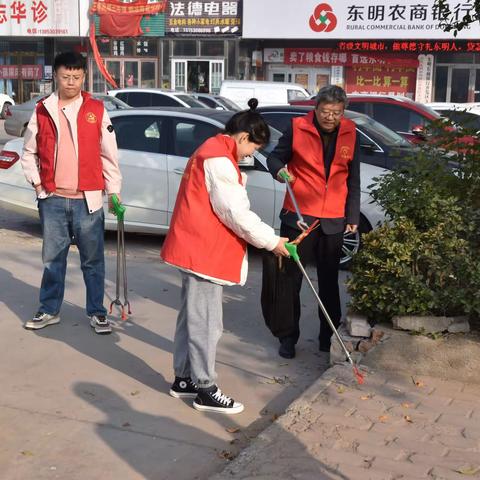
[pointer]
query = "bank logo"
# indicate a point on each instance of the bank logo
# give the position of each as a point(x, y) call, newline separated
point(323, 18)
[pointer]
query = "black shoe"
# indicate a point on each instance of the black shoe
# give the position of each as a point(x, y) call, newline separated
point(183, 388)
point(287, 348)
point(213, 400)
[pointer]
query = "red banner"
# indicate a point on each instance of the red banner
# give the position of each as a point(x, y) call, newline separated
point(388, 80)
point(25, 72)
point(329, 57)
point(140, 7)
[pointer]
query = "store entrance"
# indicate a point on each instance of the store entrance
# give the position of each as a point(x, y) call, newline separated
point(457, 83)
point(203, 76)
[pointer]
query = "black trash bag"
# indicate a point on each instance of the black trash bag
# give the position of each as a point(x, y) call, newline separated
point(276, 297)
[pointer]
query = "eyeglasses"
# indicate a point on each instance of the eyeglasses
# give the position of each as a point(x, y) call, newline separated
point(330, 113)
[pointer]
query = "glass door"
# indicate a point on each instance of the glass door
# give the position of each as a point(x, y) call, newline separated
point(460, 83)
point(216, 75)
point(130, 74)
point(179, 75)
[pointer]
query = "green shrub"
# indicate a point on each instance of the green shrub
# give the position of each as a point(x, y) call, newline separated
point(425, 260)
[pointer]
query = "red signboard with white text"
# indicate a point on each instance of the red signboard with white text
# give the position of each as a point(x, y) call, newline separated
point(329, 57)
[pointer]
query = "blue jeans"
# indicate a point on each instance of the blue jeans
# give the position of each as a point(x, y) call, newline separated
point(64, 220)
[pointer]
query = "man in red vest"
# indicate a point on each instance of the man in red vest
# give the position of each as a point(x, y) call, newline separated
point(207, 240)
point(70, 159)
point(320, 154)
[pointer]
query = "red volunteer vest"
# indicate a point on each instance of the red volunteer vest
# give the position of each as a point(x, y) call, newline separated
point(315, 196)
point(89, 132)
point(197, 240)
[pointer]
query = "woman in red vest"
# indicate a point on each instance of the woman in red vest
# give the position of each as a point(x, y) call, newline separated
point(207, 241)
point(321, 152)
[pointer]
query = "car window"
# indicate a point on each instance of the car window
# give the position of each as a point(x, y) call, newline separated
point(295, 95)
point(465, 119)
point(191, 102)
point(228, 103)
point(190, 134)
point(208, 101)
point(379, 132)
point(397, 117)
point(278, 120)
point(160, 100)
point(357, 107)
point(139, 99)
point(123, 96)
point(138, 132)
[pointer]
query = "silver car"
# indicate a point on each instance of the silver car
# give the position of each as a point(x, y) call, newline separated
point(18, 116)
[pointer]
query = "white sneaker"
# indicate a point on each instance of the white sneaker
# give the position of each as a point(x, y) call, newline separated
point(41, 320)
point(100, 324)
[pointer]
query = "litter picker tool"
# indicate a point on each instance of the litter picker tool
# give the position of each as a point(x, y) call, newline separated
point(292, 250)
point(302, 225)
point(119, 211)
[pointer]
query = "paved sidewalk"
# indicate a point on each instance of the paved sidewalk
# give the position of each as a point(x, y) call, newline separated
point(392, 427)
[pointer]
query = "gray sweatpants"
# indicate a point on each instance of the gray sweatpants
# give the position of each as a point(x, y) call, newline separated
point(199, 327)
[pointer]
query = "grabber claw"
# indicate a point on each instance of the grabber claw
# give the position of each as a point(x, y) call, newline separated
point(301, 224)
point(292, 250)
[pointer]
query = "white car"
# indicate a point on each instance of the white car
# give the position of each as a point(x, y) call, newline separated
point(5, 102)
point(154, 147)
point(156, 97)
point(19, 115)
point(464, 114)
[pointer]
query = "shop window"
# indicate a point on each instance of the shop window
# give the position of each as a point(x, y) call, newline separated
point(232, 59)
point(212, 48)
point(184, 48)
point(441, 79)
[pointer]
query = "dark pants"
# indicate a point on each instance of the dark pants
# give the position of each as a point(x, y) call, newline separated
point(324, 251)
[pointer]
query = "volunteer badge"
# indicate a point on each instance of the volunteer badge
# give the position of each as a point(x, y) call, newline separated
point(91, 117)
point(345, 152)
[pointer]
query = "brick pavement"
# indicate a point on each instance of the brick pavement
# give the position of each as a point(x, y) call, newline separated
point(395, 426)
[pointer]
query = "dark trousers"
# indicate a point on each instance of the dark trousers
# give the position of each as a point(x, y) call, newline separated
point(324, 251)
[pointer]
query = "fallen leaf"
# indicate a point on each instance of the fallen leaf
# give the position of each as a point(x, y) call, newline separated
point(232, 429)
point(406, 405)
point(468, 470)
point(408, 419)
point(383, 418)
point(226, 455)
point(126, 424)
point(366, 397)
point(275, 416)
point(340, 389)
point(136, 392)
point(27, 453)
point(418, 383)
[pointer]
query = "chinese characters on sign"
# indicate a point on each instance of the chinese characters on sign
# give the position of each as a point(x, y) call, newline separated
point(329, 57)
point(424, 88)
point(410, 46)
point(204, 17)
point(38, 17)
point(25, 72)
point(382, 79)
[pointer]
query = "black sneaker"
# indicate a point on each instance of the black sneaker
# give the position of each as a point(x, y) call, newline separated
point(183, 388)
point(40, 320)
point(213, 400)
point(287, 348)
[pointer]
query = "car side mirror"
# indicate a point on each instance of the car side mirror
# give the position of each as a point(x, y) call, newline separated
point(419, 131)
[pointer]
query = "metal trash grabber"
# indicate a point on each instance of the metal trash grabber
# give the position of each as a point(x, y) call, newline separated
point(302, 225)
point(292, 250)
point(119, 212)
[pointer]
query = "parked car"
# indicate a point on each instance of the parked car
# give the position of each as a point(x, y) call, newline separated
point(154, 147)
point(466, 115)
point(18, 116)
point(5, 102)
point(404, 116)
point(216, 101)
point(267, 93)
point(155, 97)
point(379, 145)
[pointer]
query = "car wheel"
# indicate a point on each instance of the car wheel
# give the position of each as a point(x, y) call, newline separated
point(3, 114)
point(352, 243)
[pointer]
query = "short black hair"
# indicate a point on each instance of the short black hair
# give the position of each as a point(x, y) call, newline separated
point(331, 94)
point(251, 122)
point(70, 60)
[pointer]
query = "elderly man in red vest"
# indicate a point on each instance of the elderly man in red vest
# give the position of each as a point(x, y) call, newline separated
point(321, 153)
point(70, 159)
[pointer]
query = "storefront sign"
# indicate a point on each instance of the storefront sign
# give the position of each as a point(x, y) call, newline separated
point(24, 72)
point(43, 18)
point(273, 55)
point(328, 56)
point(353, 19)
point(381, 79)
point(204, 17)
point(410, 46)
point(424, 88)
point(336, 77)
